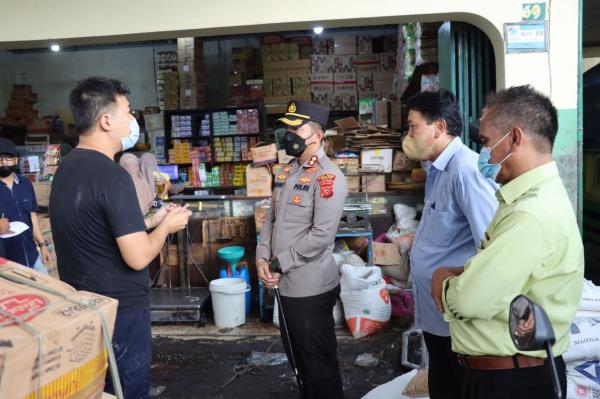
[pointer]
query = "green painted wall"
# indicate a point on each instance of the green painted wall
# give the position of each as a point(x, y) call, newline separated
point(567, 153)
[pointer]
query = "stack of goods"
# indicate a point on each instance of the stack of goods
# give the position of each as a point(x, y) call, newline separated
point(248, 121)
point(155, 130)
point(245, 85)
point(210, 178)
point(241, 121)
point(20, 110)
point(204, 130)
point(167, 80)
point(286, 69)
point(349, 163)
point(233, 149)
point(180, 153)
point(66, 356)
point(51, 161)
point(224, 123)
point(203, 154)
point(426, 52)
point(348, 68)
point(583, 356)
point(181, 126)
point(191, 72)
point(406, 174)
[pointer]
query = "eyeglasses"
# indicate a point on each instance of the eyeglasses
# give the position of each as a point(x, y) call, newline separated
point(7, 158)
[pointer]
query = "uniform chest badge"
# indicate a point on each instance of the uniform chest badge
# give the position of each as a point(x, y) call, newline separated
point(297, 199)
point(312, 170)
point(282, 177)
point(304, 180)
point(286, 169)
point(326, 177)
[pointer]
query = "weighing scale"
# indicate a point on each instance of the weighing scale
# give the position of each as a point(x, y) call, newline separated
point(183, 304)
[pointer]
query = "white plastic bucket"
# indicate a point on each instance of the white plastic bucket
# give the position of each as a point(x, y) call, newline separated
point(229, 301)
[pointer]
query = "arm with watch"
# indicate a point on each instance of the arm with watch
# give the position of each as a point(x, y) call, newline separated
point(39, 239)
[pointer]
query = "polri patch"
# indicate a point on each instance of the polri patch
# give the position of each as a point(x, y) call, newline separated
point(301, 187)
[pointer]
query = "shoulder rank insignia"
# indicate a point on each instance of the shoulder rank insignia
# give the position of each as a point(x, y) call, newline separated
point(286, 169)
point(325, 177)
point(297, 199)
point(305, 179)
point(313, 160)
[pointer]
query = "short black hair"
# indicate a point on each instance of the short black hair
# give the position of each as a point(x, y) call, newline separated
point(437, 105)
point(527, 108)
point(91, 97)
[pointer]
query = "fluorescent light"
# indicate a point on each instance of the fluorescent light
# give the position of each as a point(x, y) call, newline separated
point(318, 30)
point(55, 48)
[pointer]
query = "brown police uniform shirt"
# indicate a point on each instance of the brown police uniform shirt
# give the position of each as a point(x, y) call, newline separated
point(306, 208)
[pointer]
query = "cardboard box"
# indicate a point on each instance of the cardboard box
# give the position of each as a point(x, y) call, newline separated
point(387, 61)
point(364, 81)
point(348, 166)
point(283, 158)
point(386, 254)
point(350, 101)
point(321, 63)
point(336, 101)
point(365, 44)
point(323, 46)
point(348, 63)
point(258, 181)
point(344, 44)
point(402, 163)
point(322, 97)
point(344, 78)
point(367, 63)
point(301, 86)
point(353, 183)
point(264, 153)
point(380, 159)
point(373, 183)
point(73, 357)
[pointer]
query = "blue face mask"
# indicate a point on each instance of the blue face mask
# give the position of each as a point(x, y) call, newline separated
point(134, 134)
point(490, 170)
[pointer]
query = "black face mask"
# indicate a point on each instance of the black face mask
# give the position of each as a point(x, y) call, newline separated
point(5, 171)
point(293, 144)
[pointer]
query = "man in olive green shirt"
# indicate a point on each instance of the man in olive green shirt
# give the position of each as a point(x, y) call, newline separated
point(532, 247)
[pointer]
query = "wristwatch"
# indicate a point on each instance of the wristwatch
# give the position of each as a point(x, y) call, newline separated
point(44, 243)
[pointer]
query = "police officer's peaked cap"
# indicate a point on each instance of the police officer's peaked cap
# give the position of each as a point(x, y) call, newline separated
point(300, 112)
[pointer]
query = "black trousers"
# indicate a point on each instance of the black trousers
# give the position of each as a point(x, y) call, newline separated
point(312, 332)
point(445, 374)
point(132, 344)
point(523, 383)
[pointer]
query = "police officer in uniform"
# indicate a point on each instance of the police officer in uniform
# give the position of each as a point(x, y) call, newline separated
point(295, 251)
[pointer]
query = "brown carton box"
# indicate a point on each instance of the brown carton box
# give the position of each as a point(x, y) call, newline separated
point(258, 181)
point(62, 324)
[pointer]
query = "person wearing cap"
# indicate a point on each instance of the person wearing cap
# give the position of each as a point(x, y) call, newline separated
point(296, 242)
point(18, 204)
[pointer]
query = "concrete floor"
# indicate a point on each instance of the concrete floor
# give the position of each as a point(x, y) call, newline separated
point(200, 362)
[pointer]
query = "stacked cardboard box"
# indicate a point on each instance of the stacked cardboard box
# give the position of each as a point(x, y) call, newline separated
point(191, 72)
point(285, 78)
point(47, 323)
point(20, 110)
point(245, 87)
point(168, 80)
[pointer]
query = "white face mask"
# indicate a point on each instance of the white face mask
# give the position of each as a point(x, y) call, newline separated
point(129, 141)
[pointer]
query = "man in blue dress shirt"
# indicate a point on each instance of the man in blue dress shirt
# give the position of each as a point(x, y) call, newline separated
point(459, 205)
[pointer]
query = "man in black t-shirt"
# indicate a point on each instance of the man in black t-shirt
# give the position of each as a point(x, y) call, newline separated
point(98, 229)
